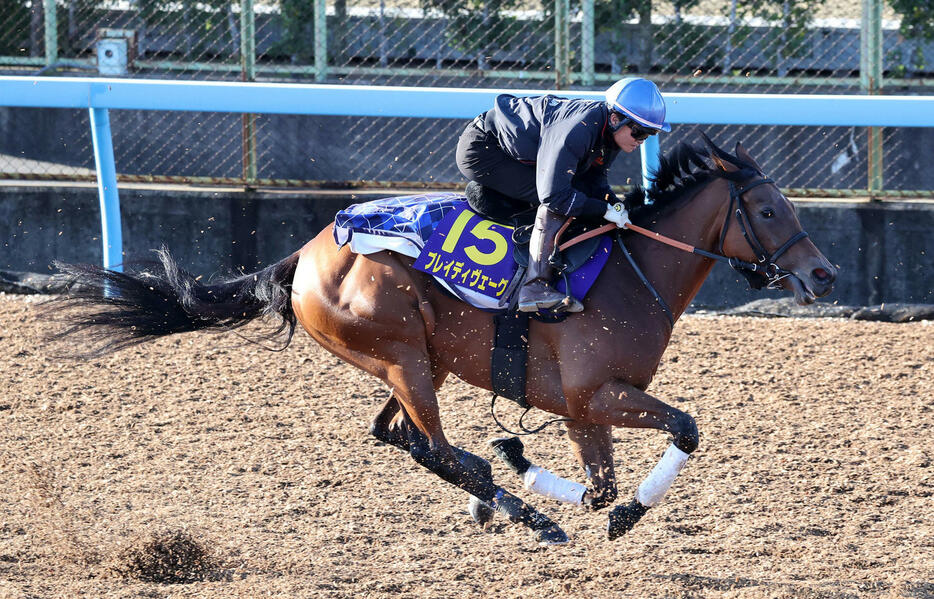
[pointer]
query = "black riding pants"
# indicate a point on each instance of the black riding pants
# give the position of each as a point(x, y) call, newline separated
point(480, 159)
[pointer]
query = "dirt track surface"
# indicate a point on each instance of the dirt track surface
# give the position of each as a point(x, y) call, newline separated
point(814, 476)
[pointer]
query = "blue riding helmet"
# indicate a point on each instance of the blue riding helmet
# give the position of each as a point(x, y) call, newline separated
point(640, 100)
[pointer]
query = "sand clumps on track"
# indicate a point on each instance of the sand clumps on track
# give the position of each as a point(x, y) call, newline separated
point(167, 557)
point(197, 467)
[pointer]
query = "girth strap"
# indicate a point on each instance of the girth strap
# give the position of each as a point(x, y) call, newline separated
point(510, 356)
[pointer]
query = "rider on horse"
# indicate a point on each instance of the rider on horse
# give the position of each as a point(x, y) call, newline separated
point(555, 152)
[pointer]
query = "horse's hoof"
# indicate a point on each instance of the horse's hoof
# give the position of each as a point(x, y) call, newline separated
point(551, 536)
point(623, 518)
point(481, 511)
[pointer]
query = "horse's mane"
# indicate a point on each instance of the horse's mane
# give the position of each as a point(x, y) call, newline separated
point(680, 175)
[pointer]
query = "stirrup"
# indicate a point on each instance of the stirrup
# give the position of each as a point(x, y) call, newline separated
point(539, 300)
point(570, 304)
point(536, 305)
point(566, 303)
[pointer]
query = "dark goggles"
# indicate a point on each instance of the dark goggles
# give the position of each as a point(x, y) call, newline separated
point(640, 133)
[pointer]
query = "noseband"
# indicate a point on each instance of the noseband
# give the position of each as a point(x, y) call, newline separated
point(765, 272)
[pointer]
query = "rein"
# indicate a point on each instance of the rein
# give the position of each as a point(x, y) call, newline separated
point(765, 265)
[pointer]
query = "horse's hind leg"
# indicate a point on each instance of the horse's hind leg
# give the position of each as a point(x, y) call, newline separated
point(414, 390)
point(371, 312)
point(391, 425)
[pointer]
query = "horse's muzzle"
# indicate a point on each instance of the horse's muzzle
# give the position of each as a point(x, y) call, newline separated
point(812, 283)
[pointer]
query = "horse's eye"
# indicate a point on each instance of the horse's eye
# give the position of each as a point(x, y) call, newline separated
point(768, 212)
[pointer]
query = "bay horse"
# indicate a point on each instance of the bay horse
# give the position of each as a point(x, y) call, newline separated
point(377, 313)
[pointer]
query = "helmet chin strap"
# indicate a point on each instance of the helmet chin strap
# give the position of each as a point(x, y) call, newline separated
point(623, 121)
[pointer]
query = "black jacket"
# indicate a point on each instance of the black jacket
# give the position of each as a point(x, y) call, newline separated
point(568, 141)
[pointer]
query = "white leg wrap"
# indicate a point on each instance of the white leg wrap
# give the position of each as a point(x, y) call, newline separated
point(545, 483)
point(659, 480)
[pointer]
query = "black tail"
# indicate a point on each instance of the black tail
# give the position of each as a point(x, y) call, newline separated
point(113, 310)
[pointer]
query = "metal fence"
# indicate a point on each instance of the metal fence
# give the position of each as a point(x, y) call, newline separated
point(777, 46)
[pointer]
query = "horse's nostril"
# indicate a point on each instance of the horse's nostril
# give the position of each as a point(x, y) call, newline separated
point(821, 275)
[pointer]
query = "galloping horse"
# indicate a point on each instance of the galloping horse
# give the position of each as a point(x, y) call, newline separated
point(379, 314)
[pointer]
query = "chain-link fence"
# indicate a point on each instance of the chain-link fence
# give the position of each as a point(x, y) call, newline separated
point(776, 46)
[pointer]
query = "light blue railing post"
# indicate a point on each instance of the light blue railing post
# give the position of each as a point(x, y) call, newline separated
point(111, 231)
point(649, 151)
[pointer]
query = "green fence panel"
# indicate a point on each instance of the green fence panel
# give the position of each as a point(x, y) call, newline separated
point(776, 46)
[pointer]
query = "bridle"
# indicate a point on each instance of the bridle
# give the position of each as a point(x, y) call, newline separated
point(765, 272)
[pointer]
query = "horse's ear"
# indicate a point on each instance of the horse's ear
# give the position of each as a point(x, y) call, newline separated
point(715, 154)
point(743, 155)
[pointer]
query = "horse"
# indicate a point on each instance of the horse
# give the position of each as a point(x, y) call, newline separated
point(593, 369)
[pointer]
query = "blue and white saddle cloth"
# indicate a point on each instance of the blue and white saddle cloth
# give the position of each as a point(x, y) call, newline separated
point(398, 224)
point(468, 255)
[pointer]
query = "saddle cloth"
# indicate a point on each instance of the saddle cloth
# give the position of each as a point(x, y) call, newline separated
point(468, 255)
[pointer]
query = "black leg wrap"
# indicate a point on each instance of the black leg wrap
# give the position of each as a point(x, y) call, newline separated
point(509, 449)
point(474, 463)
point(481, 511)
point(623, 518)
point(546, 531)
point(686, 435)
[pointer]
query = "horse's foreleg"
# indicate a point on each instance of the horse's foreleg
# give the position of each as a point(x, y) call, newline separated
point(593, 446)
point(535, 478)
point(621, 404)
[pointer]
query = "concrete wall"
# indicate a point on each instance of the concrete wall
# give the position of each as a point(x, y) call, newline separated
point(883, 249)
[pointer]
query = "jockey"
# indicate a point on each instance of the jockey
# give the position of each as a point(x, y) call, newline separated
point(554, 153)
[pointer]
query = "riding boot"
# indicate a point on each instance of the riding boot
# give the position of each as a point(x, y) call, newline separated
point(536, 292)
